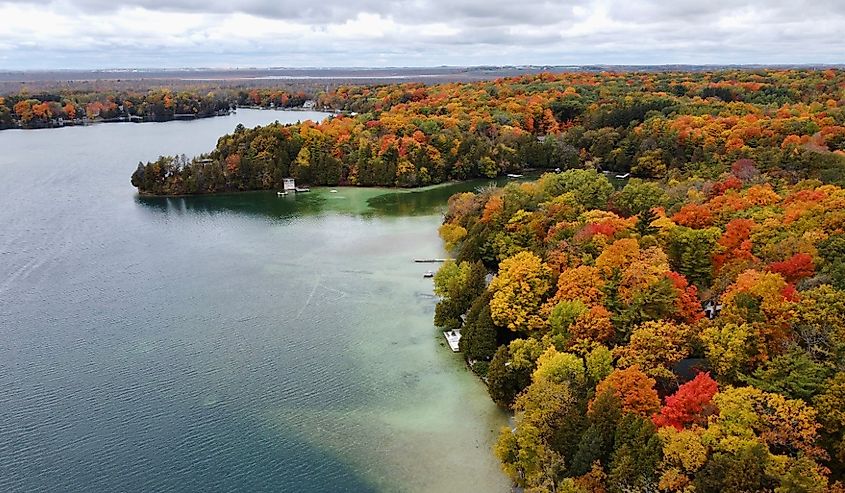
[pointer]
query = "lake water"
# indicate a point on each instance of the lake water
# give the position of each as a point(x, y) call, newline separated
point(231, 343)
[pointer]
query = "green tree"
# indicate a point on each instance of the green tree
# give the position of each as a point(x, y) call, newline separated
point(458, 285)
point(830, 405)
point(560, 368)
point(599, 363)
point(690, 251)
point(563, 315)
point(636, 455)
point(745, 471)
point(819, 324)
point(526, 453)
point(479, 334)
point(644, 220)
point(566, 110)
point(596, 443)
point(488, 167)
point(832, 253)
point(793, 374)
point(590, 188)
point(639, 196)
point(511, 369)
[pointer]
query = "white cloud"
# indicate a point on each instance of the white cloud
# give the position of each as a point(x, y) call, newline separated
point(173, 33)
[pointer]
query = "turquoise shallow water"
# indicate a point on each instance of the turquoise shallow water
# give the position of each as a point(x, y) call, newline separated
point(231, 343)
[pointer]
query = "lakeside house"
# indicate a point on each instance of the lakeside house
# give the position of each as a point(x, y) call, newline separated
point(309, 105)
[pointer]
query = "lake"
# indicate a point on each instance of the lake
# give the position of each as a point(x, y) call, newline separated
point(243, 342)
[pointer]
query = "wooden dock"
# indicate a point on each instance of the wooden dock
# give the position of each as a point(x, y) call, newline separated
point(429, 260)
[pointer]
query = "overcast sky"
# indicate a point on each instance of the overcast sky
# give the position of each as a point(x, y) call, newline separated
point(37, 34)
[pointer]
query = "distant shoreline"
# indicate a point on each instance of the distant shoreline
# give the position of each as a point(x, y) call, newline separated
point(368, 73)
point(79, 122)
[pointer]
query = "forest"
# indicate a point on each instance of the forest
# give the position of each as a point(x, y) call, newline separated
point(675, 335)
point(55, 108)
point(654, 125)
point(684, 332)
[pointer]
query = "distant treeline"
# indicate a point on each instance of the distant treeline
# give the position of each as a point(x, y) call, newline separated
point(653, 125)
point(50, 109)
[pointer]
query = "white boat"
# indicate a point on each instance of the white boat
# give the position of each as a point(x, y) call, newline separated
point(303, 189)
point(512, 175)
point(623, 177)
point(453, 338)
point(281, 194)
point(333, 190)
point(428, 273)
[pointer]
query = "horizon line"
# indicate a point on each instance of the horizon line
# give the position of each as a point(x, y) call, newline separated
point(421, 67)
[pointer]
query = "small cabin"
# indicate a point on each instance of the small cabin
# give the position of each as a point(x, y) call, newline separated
point(309, 105)
point(290, 184)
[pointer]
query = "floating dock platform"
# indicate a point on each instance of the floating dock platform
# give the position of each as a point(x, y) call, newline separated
point(453, 338)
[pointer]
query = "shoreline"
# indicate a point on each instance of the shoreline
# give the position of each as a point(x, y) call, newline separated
point(317, 188)
point(530, 174)
point(130, 119)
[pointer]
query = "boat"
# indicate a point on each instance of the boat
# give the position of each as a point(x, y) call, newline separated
point(623, 177)
point(513, 175)
point(281, 194)
point(428, 273)
point(333, 190)
point(302, 189)
point(453, 338)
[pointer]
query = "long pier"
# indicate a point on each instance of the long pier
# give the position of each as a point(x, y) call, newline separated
point(429, 260)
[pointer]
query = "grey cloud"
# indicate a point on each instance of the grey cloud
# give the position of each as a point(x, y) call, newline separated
point(326, 10)
point(477, 32)
point(483, 12)
point(698, 11)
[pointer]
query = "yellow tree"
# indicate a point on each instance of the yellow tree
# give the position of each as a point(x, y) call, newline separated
point(655, 347)
point(683, 456)
point(747, 413)
point(518, 292)
point(729, 348)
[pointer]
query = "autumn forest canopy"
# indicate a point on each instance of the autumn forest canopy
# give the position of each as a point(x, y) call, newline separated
point(791, 123)
point(592, 329)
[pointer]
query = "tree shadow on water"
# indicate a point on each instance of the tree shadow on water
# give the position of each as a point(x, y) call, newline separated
point(356, 201)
